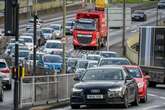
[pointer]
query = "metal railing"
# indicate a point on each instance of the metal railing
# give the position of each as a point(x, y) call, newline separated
point(37, 90)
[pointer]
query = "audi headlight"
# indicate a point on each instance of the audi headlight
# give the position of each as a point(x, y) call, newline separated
point(115, 92)
point(77, 90)
point(140, 85)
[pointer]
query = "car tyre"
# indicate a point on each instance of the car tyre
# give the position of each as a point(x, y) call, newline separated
point(125, 105)
point(75, 106)
point(136, 101)
point(144, 99)
point(8, 87)
point(1, 97)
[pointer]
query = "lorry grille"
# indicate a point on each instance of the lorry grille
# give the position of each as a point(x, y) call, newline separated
point(84, 39)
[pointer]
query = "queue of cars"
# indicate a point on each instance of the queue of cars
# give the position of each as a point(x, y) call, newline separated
point(106, 78)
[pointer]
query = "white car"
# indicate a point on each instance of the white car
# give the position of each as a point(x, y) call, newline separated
point(47, 33)
point(57, 30)
point(10, 48)
point(94, 57)
point(28, 41)
point(31, 24)
point(114, 61)
point(5, 74)
point(69, 27)
point(52, 46)
point(108, 54)
point(23, 54)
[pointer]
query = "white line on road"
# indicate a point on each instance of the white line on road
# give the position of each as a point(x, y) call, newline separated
point(153, 95)
point(154, 106)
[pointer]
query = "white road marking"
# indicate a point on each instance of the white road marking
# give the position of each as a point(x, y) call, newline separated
point(153, 95)
point(154, 106)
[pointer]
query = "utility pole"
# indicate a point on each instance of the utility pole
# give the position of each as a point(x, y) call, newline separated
point(64, 36)
point(15, 6)
point(123, 38)
point(107, 28)
point(157, 16)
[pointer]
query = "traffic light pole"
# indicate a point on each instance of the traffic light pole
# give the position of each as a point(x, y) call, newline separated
point(16, 33)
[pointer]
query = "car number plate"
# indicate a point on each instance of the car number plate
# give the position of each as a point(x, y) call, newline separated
point(94, 96)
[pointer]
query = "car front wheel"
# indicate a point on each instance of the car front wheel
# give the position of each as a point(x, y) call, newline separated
point(1, 97)
point(75, 106)
point(125, 105)
point(136, 101)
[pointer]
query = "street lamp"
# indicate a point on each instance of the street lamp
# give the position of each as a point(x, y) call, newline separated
point(123, 38)
point(64, 36)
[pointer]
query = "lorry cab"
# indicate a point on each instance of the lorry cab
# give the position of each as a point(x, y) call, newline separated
point(90, 29)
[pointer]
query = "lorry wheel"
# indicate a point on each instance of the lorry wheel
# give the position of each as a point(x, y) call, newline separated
point(152, 84)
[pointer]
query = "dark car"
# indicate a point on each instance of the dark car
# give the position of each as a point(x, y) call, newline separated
point(105, 85)
point(139, 16)
point(161, 4)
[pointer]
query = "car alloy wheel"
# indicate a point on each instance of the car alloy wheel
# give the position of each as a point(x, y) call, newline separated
point(144, 99)
point(75, 106)
point(125, 105)
point(136, 101)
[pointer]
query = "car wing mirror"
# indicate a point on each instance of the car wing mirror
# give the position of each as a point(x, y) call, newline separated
point(128, 78)
point(147, 77)
point(77, 78)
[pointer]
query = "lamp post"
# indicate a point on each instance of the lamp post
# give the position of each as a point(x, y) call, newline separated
point(123, 38)
point(64, 36)
point(15, 6)
point(107, 28)
point(157, 16)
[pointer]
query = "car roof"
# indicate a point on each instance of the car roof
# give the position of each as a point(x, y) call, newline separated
point(2, 60)
point(47, 28)
point(131, 66)
point(24, 51)
point(53, 41)
point(92, 61)
point(22, 36)
point(116, 58)
point(52, 55)
point(109, 67)
point(93, 55)
point(55, 25)
point(108, 52)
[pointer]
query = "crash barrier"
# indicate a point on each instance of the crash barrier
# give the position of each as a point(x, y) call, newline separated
point(37, 90)
point(131, 48)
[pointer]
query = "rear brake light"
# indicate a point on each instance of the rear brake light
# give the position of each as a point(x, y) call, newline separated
point(6, 70)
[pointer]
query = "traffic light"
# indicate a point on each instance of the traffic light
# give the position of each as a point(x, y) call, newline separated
point(10, 17)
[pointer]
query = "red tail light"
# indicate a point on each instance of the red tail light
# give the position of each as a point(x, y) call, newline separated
point(5, 70)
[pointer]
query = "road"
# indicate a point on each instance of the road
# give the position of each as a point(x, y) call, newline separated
point(115, 36)
point(156, 101)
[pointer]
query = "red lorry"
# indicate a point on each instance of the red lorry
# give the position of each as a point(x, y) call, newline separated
point(90, 30)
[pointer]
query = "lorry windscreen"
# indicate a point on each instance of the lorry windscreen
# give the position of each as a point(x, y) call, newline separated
point(86, 24)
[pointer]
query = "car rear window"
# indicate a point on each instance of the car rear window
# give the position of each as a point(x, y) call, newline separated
point(2, 65)
point(134, 72)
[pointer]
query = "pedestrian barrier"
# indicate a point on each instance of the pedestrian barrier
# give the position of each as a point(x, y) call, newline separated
point(36, 90)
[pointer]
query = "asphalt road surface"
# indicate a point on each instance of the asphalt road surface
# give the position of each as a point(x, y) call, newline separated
point(156, 101)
